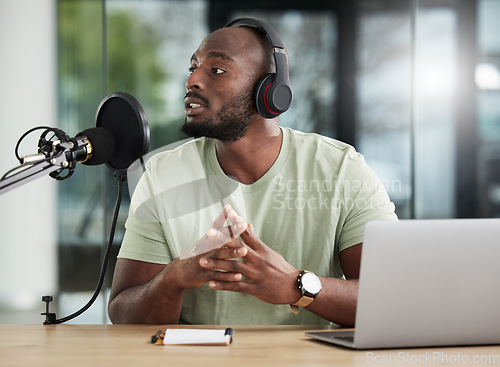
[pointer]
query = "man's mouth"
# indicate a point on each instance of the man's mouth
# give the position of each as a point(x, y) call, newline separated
point(193, 108)
point(194, 103)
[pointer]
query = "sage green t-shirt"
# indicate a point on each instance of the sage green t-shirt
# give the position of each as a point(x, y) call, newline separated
point(309, 206)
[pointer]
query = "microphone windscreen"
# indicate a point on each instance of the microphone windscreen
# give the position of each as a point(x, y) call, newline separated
point(103, 145)
point(124, 117)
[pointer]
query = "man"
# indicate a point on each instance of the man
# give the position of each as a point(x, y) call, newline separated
point(294, 201)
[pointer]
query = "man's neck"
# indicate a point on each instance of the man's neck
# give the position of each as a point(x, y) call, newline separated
point(249, 158)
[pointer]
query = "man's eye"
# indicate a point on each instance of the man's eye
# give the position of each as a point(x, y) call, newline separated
point(191, 70)
point(217, 71)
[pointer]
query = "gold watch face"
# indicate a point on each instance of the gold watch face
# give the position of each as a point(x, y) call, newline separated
point(311, 283)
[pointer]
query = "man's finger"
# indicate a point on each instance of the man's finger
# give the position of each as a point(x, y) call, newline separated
point(234, 251)
point(251, 239)
point(231, 215)
point(234, 243)
point(229, 232)
point(241, 287)
point(224, 276)
point(221, 218)
point(226, 213)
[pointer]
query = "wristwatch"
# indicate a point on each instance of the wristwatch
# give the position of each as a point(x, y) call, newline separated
point(309, 286)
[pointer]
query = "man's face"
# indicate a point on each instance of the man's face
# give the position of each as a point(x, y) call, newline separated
point(218, 102)
point(228, 124)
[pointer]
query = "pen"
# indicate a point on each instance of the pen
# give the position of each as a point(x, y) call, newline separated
point(229, 227)
point(157, 336)
point(229, 331)
point(226, 221)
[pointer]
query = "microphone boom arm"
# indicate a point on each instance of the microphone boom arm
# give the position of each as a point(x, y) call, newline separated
point(35, 170)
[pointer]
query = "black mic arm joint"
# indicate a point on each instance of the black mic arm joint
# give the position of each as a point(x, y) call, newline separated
point(121, 175)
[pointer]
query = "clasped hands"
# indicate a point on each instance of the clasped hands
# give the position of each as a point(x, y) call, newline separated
point(215, 258)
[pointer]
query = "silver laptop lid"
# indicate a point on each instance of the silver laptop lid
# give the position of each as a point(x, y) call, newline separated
point(429, 283)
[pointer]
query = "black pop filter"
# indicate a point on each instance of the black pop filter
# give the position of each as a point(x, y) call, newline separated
point(123, 116)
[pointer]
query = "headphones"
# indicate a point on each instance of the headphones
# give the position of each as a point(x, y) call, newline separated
point(272, 93)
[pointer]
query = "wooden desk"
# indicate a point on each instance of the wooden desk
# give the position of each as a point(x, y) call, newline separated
point(263, 346)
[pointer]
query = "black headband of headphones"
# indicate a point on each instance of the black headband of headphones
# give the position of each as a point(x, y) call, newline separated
point(273, 93)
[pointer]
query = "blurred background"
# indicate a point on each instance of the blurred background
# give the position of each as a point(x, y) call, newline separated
point(414, 85)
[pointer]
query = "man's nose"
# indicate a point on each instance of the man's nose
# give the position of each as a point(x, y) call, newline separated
point(194, 82)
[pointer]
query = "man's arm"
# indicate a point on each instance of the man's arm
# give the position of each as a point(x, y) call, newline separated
point(144, 292)
point(337, 300)
point(150, 293)
point(269, 277)
point(135, 297)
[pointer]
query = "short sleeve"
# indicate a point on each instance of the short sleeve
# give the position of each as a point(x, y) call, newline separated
point(365, 200)
point(144, 238)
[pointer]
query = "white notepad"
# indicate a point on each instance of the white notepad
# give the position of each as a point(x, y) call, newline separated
point(198, 336)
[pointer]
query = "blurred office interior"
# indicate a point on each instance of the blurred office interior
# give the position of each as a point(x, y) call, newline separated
point(414, 85)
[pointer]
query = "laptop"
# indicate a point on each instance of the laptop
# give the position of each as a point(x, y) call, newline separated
point(426, 283)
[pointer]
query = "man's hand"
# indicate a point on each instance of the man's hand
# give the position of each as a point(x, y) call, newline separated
point(219, 234)
point(144, 292)
point(268, 276)
point(218, 244)
point(193, 272)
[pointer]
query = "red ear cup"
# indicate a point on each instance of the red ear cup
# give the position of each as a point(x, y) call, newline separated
point(261, 97)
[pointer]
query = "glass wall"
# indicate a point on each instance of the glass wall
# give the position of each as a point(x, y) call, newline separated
point(487, 80)
point(81, 204)
point(405, 111)
point(383, 98)
point(414, 85)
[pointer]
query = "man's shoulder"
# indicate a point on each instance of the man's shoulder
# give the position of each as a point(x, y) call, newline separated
point(178, 151)
point(304, 140)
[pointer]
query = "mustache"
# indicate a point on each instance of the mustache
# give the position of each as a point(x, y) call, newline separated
point(197, 96)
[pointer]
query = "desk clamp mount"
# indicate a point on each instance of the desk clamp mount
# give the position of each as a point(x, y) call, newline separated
point(50, 317)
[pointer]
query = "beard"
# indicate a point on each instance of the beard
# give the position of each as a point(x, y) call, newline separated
point(230, 122)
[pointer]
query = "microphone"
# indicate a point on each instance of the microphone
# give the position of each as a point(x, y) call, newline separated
point(121, 135)
point(98, 146)
point(90, 147)
point(120, 138)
